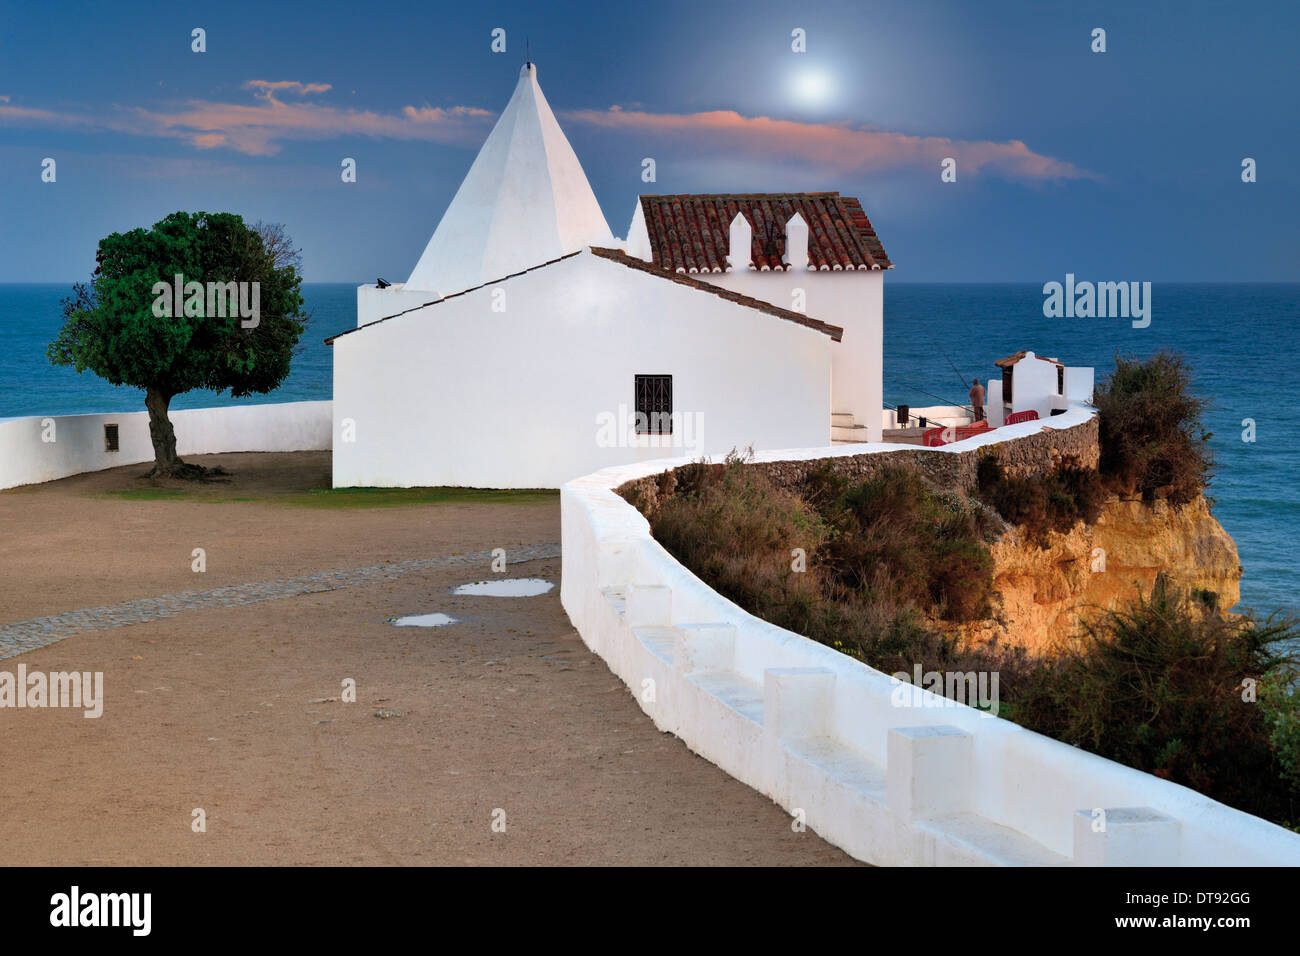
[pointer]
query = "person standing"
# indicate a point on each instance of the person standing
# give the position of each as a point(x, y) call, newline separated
point(977, 399)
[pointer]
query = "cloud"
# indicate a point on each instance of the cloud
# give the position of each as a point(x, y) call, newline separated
point(837, 146)
point(260, 128)
point(268, 88)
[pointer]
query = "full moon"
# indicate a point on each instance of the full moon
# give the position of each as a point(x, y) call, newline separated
point(812, 86)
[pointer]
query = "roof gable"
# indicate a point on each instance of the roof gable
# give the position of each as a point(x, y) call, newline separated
point(689, 233)
point(1011, 360)
point(618, 256)
point(525, 200)
point(749, 302)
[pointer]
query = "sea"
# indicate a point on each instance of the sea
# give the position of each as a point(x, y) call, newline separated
point(1241, 341)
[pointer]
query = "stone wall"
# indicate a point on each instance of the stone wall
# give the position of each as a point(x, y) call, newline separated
point(954, 466)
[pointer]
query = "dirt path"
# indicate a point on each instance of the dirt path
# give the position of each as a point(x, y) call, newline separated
point(227, 709)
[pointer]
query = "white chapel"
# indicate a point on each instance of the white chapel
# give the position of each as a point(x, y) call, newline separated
point(530, 346)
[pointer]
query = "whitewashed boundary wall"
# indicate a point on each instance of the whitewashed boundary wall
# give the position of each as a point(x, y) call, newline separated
point(819, 733)
point(27, 457)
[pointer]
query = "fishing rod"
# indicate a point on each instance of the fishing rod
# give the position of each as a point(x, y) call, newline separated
point(932, 395)
point(950, 364)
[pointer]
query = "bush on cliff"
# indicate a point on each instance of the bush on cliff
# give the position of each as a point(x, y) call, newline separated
point(879, 558)
point(895, 538)
point(1039, 502)
point(729, 525)
point(1152, 440)
point(1173, 688)
point(1165, 684)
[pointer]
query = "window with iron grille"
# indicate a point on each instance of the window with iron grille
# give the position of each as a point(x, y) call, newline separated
point(110, 438)
point(654, 402)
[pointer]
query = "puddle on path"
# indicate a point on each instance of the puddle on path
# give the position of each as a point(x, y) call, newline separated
point(507, 587)
point(424, 620)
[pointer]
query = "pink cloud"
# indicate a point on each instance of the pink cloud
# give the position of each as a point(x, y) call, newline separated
point(268, 88)
point(260, 128)
point(838, 146)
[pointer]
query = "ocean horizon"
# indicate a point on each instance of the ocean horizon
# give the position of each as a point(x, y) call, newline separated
point(1237, 338)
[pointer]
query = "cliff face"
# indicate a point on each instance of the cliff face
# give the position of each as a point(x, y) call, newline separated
point(1044, 590)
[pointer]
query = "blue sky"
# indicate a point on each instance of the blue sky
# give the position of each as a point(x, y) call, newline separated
point(1117, 165)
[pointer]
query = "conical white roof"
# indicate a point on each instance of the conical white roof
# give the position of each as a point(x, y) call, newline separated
point(525, 201)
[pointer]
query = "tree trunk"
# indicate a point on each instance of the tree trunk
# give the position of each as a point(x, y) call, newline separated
point(163, 436)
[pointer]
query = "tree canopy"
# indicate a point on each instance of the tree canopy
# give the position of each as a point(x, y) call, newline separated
point(120, 328)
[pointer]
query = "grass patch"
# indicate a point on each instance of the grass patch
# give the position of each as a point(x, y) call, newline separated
point(405, 497)
point(345, 498)
point(147, 494)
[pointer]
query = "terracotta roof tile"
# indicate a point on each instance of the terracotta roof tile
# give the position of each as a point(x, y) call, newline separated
point(632, 262)
point(690, 233)
point(1013, 359)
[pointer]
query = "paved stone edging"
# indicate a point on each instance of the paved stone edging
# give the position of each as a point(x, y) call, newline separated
point(23, 636)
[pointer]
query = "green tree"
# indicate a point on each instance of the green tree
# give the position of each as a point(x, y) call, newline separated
point(1152, 440)
point(126, 330)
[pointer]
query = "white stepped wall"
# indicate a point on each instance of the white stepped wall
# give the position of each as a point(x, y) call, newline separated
point(78, 446)
point(913, 785)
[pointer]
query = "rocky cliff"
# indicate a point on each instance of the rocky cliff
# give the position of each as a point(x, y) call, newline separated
point(1042, 591)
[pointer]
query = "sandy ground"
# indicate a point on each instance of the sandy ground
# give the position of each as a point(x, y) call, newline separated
point(218, 709)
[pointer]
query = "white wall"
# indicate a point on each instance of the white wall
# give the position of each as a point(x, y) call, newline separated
point(934, 784)
point(459, 394)
point(1079, 383)
point(853, 300)
point(1033, 386)
point(995, 409)
point(933, 415)
point(374, 303)
point(78, 446)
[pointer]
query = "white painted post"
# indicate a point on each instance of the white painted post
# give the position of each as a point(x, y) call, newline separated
point(928, 770)
point(704, 647)
point(1125, 836)
point(797, 701)
point(649, 606)
point(616, 560)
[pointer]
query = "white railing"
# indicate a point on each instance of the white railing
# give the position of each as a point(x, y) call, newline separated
point(43, 448)
point(916, 781)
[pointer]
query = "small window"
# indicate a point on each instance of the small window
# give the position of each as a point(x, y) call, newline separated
point(110, 438)
point(654, 404)
point(1006, 384)
point(1060, 380)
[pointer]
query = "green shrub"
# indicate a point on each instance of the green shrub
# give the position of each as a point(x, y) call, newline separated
point(1041, 502)
point(1279, 698)
point(733, 528)
point(1157, 684)
point(882, 555)
point(1152, 440)
point(1160, 685)
point(897, 539)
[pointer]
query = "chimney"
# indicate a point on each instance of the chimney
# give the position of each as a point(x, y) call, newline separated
point(740, 242)
point(796, 242)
